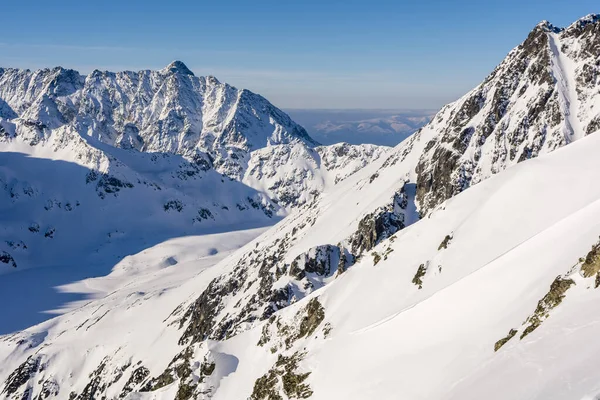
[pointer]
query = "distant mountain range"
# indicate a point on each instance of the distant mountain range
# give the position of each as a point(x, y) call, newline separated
point(380, 127)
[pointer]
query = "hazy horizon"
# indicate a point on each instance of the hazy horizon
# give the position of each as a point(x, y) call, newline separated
point(379, 127)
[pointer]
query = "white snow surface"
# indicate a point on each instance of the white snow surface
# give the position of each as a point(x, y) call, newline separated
point(389, 339)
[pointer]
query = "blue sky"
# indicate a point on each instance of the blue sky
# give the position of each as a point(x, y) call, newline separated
point(304, 54)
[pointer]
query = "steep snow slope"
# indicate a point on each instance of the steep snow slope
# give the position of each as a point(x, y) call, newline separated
point(421, 319)
point(404, 338)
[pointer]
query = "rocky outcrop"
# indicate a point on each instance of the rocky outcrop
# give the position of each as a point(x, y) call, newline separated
point(538, 99)
point(21, 376)
point(6, 258)
point(320, 260)
point(380, 224)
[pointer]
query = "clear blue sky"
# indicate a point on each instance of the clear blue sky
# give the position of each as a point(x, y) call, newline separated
point(303, 54)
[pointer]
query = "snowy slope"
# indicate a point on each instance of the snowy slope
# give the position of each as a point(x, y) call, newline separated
point(438, 341)
point(194, 149)
point(428, 338)
point(354, 297)
point(95, 168)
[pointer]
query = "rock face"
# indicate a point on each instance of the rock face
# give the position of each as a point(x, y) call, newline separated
point(541, 97)
point(380, 224)
point(321, 261)
point(294, 174)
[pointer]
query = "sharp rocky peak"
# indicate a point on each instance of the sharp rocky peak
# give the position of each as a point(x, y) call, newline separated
point(547, 26)
point(178, 67)
point(540, 98)
point(579, 24)
point(588, 19)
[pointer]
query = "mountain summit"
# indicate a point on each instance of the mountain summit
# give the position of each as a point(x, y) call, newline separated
point(179, 67)
point(169, 111)
point(541, 97)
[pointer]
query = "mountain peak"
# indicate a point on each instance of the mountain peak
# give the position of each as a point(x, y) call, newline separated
point(178, 67)
point(547, 26)
point(584, 21)
point(580, 23)
point(588, 19)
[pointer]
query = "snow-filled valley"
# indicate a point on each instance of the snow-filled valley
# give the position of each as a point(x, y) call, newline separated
point(78, 192)
point(223, 254)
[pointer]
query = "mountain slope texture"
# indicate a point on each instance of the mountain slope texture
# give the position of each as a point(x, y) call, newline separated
point(141, 157)
point(449, 268)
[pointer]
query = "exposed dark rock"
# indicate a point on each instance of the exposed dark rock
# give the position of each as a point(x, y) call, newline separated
point(380, 224)
point(21, 375)
point(436, 185)
point(138, 376)
point(49, 389)
point(7, 259)
point(176, 205)
point(320, 260)
point(376, 257)
point(504, 340)
point(106, 184)
point(593, 125)
point(591, 263)
point(178, 368)
point(314, 314)
point(96, 386)
point(304, 324)
point(207, 368)
point(50, 232)
point(268, 209)
point(284, 371)
point(418, 278)
point(204, 213)
point(203, 311)
point(445, 242)
point(553, 298)
point(449, 161)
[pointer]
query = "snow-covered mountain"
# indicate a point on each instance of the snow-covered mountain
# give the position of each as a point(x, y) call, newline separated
point(146, 156)
point(394, 283)
point(209, 123)
point(542, 96)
